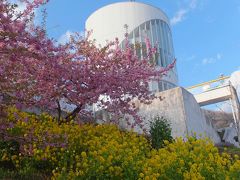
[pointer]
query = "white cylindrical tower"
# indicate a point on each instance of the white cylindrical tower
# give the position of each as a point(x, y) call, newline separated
point(142, 20)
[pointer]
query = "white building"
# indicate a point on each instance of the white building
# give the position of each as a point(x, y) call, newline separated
point(178, 105)
point(142, 21)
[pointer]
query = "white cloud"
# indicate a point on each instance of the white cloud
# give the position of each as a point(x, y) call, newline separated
point(181, 13)
point(211, 60)
point(65, 38)
point(208, 61)
point(191, 58)
point(219, 56)
point(210, 19)
point(193, 4)
point(179, 16)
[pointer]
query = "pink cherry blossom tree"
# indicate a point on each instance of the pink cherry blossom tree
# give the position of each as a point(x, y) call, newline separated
point(116, 73)
point(34, 71)
point(25, 54)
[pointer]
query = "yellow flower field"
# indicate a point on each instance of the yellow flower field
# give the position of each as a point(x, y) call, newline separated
point(73, 151)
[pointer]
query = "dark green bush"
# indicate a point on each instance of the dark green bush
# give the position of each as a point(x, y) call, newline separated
point(160, 130)
point(22, 175)
point(11, 146)
point(8, 148)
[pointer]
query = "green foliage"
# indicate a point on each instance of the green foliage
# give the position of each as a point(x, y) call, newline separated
point(11, 146)
point(160, 130)
point(22, 175)
point(8, 149)
point(15, 131)
point(105, 152)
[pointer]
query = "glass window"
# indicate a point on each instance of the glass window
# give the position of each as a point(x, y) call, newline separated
point(144, 50)
point(142, 27)
point(136, 34)
point(123, 44)
point(159, 37)
point(165, 86)
point(154, 32)
point(156, 57)
point(171, 42)
point(148, 31)
point(158, 60)
point(148, 25)
point(138, 49)
point(142, 31)
point(162, 35)
point(130, 36)
point(160, 86)
point(165, 58)
point(161, 57)
point(169, 86)
point(169, 59)
point(153, 22)
point(131, 41)
point(132, 46)
point(168, 38)
point(138, 53)
point(149, 35)
point(158, 32)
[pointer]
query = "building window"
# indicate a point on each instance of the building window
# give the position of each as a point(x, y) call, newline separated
point(130, 36)
point(144, 50)
point(160, 86)
point(158, 32)
point(165, 86)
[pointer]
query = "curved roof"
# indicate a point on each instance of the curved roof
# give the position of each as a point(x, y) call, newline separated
point(108, 22)
point(127, 3)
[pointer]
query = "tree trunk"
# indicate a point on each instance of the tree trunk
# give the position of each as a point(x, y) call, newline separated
point(73, 114)
point(59, 112)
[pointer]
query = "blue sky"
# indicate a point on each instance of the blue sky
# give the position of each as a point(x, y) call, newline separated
point(206, 33)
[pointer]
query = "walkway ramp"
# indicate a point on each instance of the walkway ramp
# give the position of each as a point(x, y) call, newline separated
point(213, 96)
point(216, 91)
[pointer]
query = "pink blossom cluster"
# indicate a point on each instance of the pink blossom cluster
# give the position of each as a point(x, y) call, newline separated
point(34, 71)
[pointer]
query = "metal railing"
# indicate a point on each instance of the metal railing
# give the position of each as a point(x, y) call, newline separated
point(209, 85)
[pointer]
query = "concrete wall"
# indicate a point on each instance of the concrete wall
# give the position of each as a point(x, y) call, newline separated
point(183, 112)
point(195, 118)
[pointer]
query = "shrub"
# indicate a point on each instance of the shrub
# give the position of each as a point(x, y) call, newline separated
point(160, 130)
point(72, 151)
point(193, 159)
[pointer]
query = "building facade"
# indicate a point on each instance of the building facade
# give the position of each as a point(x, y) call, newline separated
point(140, 21)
